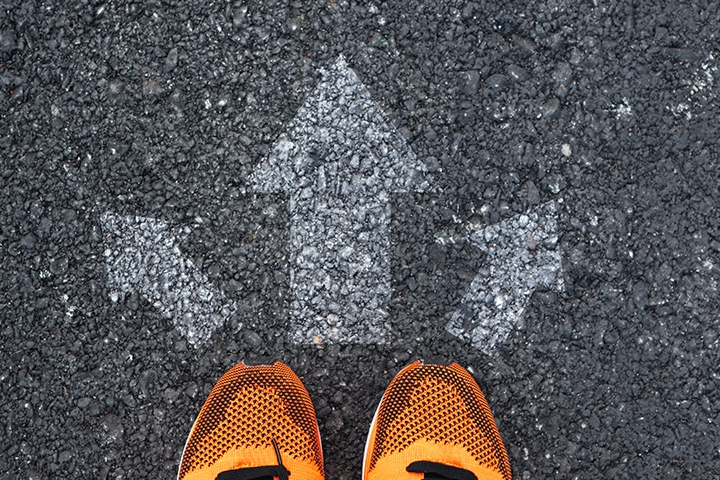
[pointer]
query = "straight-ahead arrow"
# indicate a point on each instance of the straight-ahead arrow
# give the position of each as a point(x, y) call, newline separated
point(522, 256)
point(142, 255)
point(339, 162)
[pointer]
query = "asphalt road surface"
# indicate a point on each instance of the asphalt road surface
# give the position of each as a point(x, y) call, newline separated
point(527, 188)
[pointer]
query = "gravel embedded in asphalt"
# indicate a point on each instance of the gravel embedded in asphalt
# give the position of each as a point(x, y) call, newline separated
point(163, 110)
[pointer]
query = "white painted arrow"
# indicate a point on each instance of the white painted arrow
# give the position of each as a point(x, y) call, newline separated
point(339, 161)
point(522, 257)
point(142, 255)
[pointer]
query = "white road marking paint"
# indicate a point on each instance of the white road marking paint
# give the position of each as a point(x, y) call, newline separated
point(522, 257)
point(339, 162)
point(142, 255)
point(701, 91)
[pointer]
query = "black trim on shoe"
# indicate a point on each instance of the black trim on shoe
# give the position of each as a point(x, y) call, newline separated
point(440, 471)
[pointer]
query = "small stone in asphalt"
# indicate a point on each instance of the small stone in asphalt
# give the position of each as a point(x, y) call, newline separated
point(516, 72)
point(151, 88)
point(562, 74)
point(171, 60)
point(65, 456)
point(554, 183)
point(253, 339)
point(684, 55)
point(466, 117)
point(116, 88)
point(471, 82)
point(293, 25)
point(112, 428)
point(550, 109)
point(497, 81)
point(533, 195)
point(7, 41)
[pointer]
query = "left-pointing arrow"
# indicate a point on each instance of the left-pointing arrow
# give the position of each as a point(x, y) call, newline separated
point(142, 254)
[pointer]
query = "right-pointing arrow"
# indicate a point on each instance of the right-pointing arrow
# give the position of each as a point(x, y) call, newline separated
point(522, 257)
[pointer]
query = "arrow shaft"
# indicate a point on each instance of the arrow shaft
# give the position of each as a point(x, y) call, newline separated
point(490, 310)
point(340, 279)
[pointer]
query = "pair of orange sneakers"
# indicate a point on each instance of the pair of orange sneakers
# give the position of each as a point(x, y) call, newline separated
point(258, 423)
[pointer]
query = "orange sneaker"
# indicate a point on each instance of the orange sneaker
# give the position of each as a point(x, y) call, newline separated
point(433, 422)
point(257, 424)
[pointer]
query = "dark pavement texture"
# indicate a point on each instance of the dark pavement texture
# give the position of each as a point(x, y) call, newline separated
point(163, 109)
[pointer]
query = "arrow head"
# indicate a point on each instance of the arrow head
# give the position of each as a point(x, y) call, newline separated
point(142, 254)
point(522, 257)
point(340, 128)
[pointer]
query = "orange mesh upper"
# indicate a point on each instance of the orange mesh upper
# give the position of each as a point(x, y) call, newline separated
point(441, 414)
point(246, 409)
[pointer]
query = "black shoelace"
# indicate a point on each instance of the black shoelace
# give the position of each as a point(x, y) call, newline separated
point(440, 471)
point(258, 473)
